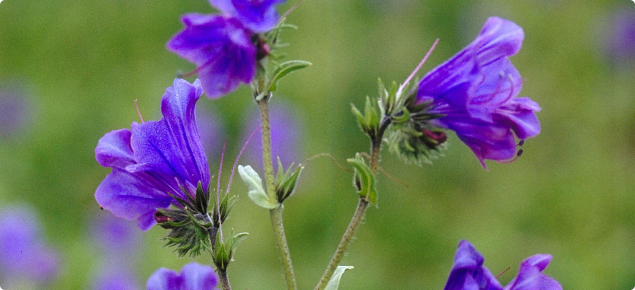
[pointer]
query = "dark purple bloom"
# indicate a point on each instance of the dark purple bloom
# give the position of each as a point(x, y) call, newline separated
point(220, 47)
point(257, 15)
point(24, 257)
point(469, 273)
point(475, 91)
point(154, 159)
point(193, 277)
point(223, 47)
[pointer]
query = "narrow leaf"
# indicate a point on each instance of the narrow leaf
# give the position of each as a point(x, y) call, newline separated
point(284, 69)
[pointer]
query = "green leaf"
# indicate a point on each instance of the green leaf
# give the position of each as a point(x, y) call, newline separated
point(366, 177)
point(334, 283)
point(238, 238)
point(256, 190)
point(284, 69)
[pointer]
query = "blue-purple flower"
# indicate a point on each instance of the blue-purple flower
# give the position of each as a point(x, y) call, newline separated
point(222, 46)
point(192, 277)
point(154, 161)
point(469, 273)
point(474, 94)
point(24, 257)
point(259, 16)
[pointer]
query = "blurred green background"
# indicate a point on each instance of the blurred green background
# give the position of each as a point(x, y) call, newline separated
point(81, 64)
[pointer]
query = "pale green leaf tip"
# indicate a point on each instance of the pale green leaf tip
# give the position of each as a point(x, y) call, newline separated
point(256, 190)
point(334, 283)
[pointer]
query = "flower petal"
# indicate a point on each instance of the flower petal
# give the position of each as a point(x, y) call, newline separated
point(133, 196)
point(258, 16)
point(164, 279)
point(196, 277)
point(193, 277)
point(172, 146)
point(530, 276)
point(113, 150)
point(468, 272)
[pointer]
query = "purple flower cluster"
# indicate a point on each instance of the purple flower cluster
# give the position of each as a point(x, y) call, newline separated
point(469, 273)
point(222, 46)
point(474, 93)
point(24, 257)
point(192, 277)
point(154, 159)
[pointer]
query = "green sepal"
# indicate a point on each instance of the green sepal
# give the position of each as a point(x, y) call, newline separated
point(226, 204)
point(369, 121)
point(364, 179)
point(224, 250)
point(256, 190)
point(285, 181)
point(334, 283)
point(400, 117)
point(189, 230)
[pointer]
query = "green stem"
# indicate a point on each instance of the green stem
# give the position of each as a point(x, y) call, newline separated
point(358, 216)
point(276, 213)
point(283, 248)
point(346, 240)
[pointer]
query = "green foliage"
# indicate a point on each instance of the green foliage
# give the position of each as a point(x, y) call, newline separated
point(334, 283)
point(369, 121)
point(256, 190)
point(224, 250)
point(285, 181)
point(189, 231)
point(363, 178)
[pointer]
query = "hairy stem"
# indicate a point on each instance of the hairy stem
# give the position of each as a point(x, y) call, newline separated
point(346, 240)
point(358, 216)
point(276, 213)
point(224, 281)
point(283, 248)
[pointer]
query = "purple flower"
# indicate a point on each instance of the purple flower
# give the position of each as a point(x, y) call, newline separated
point(469, 273)
point(221, 46)
point(23, 254)
point(257, 15)
point(474, 93)
point(193, 277)
point(154, 159)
